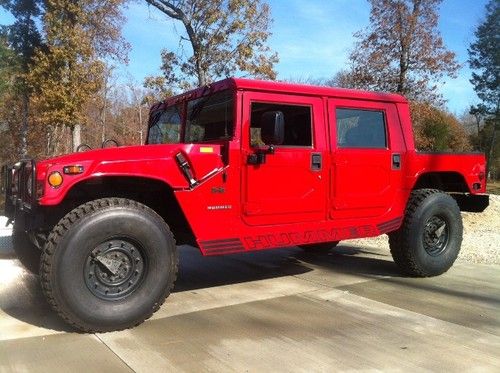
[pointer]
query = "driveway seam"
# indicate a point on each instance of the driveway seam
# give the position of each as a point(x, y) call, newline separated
point(114, 353)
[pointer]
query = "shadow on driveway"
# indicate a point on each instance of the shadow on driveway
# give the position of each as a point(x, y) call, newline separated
point(22, 297)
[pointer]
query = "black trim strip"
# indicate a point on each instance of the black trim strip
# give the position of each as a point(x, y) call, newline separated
point(390, 225)
point(388, 229)
point(220, 241)
point(226, 250)
point(392, 221)
point(216, 246)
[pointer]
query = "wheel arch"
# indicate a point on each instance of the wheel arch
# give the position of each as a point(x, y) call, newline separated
point(447, 181)
point(154, 193)
point(455, 185)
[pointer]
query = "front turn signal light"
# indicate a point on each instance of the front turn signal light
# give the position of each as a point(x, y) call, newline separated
point(55, 179)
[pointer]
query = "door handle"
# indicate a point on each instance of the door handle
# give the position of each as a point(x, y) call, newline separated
point(396, 161)
point(316, 162)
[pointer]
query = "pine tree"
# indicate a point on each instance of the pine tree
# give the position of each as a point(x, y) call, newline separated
point(484, 60)
point(23, 38)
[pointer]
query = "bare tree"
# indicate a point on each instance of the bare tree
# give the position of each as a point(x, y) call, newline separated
point(226, 36)
point(402, 51)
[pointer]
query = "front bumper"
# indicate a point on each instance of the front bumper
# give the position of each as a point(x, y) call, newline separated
point(18, 185)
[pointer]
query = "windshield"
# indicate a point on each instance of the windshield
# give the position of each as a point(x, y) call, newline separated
point(166, 126)
point(208, 119)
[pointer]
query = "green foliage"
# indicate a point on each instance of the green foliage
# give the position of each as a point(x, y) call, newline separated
point(484, 58)
point(24, 36)
point(225, 36)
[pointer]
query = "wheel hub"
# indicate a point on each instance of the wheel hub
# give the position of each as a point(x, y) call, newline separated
point(436, 235)
point(114, 269)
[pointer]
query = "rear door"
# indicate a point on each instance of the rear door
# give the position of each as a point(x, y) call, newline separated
point(366, 147)
point(290, 186)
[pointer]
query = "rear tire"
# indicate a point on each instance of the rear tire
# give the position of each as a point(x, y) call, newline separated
point(430, 238)
point(108, 265)
point(319, 248)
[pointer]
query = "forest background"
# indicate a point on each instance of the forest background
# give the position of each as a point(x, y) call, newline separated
point(71, 75)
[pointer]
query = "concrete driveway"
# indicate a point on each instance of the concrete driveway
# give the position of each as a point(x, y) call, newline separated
point(279, 310)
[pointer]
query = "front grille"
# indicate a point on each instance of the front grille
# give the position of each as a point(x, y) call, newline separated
point(19, 185)
point(6, 179)
point(27, 183)
point(7, 190)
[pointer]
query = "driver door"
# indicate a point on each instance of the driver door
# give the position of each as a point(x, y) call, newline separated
point(290, 185)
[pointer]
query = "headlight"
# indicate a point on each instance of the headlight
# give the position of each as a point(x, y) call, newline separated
point(55, 179)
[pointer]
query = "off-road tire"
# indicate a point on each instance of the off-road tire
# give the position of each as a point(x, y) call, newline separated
point(408, 245)
point(71, 245)
point(26, 251)
point(319, 248)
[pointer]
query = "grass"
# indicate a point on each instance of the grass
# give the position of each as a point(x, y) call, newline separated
point(493, 187)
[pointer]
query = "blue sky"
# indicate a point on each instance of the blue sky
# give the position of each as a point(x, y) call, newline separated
point(312, 38)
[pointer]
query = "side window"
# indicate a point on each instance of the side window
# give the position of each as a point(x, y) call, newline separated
point(210, 118)
point(357, 128)
point(298, 129)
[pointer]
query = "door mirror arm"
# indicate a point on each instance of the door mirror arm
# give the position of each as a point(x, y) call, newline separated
point(259, 157)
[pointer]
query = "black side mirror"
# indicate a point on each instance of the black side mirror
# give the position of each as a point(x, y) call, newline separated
point(272, 125)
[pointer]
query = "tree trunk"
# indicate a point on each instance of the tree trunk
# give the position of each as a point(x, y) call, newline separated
point(25, 126)
point(76, 132)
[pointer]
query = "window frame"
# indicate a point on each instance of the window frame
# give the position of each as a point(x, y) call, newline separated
point(261, 101)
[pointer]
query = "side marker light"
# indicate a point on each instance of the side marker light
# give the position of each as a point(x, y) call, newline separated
point(73, 170)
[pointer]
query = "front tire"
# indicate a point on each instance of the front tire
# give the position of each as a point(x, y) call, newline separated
point(428, 242)
point(108, 265)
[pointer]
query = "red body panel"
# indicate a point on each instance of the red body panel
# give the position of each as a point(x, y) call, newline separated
point(150, 162)
point(236, 206)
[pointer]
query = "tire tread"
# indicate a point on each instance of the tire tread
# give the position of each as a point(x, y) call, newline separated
point(56, 235)
point(399, 240)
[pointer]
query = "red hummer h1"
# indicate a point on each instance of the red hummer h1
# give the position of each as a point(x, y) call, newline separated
point(237, 166)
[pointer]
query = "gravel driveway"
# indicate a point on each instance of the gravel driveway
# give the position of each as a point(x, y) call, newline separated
point(481, 243)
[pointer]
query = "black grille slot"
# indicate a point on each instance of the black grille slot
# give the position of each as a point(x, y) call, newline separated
point(27, 186)
point(6, 186)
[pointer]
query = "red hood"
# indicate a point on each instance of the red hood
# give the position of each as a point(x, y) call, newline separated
point(146, 161)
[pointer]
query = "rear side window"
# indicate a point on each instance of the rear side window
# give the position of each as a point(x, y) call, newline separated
point(298, 126)
point(357, 128)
